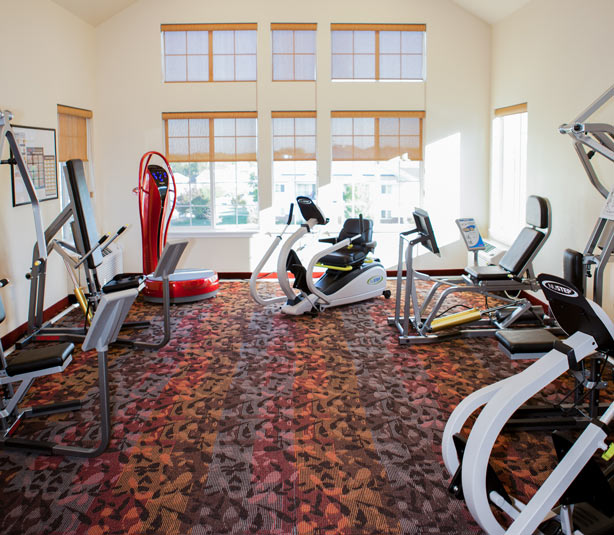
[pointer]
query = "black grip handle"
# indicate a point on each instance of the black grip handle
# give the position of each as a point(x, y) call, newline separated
point(121, 229)
point(103, 239)
point(3, 282)
point(290, 214)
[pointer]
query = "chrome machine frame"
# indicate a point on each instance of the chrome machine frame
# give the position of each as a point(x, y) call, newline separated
point(407, 298)
point(589, 139)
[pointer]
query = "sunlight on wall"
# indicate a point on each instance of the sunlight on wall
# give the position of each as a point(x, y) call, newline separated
point(442, 187)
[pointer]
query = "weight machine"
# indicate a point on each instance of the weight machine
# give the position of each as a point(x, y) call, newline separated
point(591, 139)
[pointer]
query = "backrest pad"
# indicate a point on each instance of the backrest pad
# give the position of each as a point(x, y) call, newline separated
point(83, 213)
point(351, 227)
point(521, 250)
point(537, 211)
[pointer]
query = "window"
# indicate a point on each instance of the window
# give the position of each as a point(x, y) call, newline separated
point(377, 51)
point(72, 144)
point(509, 173)
point(377, 166)
point(209, 52)
point(294, 160)
point(72, 133)
point(294, 51)
point(213, 159)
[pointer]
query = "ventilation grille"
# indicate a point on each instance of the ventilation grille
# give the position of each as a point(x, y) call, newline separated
point(112, 263)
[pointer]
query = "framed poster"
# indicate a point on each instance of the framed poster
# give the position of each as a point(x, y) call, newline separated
point(37, 147)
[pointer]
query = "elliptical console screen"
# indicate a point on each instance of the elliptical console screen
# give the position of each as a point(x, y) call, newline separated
point(424, 227)
point(159, 174)
point(160, 178)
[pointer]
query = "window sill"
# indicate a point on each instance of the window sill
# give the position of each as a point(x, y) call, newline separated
point(204, 233)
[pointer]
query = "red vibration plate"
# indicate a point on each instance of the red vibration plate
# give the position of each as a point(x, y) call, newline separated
point(186, 286)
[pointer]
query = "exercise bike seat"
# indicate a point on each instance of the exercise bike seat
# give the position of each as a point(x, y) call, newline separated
point(34, 360)
point(354, 254)
point(487, 273)
point(123, 281)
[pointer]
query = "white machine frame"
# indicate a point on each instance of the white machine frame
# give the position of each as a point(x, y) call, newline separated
point(356, 290)
point(500, 401)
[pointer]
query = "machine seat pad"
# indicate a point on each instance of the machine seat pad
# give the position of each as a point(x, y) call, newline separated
point(526, 340)
point(34, 360)
point(123, 281)
point(343, 257)
point(487, 273)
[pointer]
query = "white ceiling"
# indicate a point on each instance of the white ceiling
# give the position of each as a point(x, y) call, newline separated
point(491, 10)
point(96, 12)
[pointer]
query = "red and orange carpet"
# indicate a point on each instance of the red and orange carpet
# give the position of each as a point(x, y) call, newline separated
point(250, 422)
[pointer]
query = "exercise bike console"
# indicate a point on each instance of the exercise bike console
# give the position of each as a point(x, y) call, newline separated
point(309, 210)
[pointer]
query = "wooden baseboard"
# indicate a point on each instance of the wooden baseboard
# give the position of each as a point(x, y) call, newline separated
point(392, 273)
point(10, 338)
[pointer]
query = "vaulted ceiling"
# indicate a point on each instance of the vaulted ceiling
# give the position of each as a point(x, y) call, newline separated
point(96, 11)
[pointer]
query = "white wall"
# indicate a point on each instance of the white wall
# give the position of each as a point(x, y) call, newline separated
point(46, 59)
point(132, 96)
point(556, 56)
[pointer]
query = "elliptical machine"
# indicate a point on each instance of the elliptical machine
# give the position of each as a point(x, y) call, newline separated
point(351, 276)
point(157, 196)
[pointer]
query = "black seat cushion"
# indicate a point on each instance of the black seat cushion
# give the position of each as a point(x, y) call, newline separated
point(526, 340)
point(521, 250)
point(344, 257)
point(123, 281)
point(34, 360)
point(487, 273)
point(356, 253)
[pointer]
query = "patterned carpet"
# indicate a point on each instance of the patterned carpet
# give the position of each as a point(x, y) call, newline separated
point(250, 422)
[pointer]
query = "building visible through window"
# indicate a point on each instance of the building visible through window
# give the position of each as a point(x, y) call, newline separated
point(294, 160)
point(213, 159)
point(377, 166)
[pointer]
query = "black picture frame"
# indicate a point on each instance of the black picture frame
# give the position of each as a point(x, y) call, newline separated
point(41, 158)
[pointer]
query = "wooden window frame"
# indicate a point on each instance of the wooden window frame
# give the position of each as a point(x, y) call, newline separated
point(209, 28)
point(166, 116)
point(383, 114)
point(293, 115)
point(214, 227)
point(377, 28)
point(293, 27)
point(511, 110)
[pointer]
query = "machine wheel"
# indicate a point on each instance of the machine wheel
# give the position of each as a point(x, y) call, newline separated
point(387, 294)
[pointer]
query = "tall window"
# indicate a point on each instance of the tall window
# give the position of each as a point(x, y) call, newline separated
point(377, 165)
point(294, 159)
point(378, 51)
point(294, 51)
point(209, 52)
point(509, 172)
point(72, 144)
point(213, 159)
